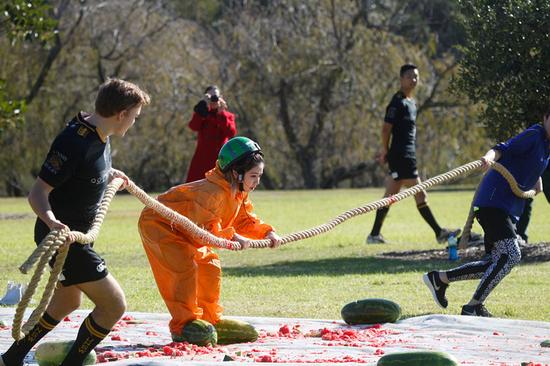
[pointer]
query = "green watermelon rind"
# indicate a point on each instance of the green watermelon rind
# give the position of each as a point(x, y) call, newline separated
point(545, 343)
point(420, 358)
point(232, 331)
point(371, 311)
point(53, 353)
point(200, 332)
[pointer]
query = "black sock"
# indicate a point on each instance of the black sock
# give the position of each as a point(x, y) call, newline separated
point(379, 220)
point(19, 349)
point(89, 336)
point(426, 213)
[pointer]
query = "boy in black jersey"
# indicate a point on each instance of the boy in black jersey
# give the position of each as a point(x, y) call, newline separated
point(67, 194)
point(400, 125)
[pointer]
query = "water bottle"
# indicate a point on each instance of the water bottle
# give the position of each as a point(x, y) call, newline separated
point(452, 246)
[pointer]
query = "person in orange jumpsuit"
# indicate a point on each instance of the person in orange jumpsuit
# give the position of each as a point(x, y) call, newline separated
point(187, 272)
point(214, 125)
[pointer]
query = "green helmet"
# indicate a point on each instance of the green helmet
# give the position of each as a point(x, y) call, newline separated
point(236, 149)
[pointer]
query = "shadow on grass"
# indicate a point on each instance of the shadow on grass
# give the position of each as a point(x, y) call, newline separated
point(390, 262)
point(337, 266)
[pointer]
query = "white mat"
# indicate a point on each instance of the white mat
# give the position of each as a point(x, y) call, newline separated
point(473, 341)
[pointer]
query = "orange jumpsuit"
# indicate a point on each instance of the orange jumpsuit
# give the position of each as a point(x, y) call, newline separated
point(188, 273)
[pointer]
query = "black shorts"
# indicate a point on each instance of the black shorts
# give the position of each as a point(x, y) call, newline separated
point(402, 168)
point(82, 264)
point(497, 225)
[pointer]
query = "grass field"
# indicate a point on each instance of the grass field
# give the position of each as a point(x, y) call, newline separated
point(312, 278)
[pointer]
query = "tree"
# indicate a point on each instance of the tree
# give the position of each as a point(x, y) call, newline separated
point(27, 21)
point(505, 62)
point(312, 79)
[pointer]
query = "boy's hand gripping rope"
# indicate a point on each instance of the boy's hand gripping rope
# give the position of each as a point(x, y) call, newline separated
point(55, 240)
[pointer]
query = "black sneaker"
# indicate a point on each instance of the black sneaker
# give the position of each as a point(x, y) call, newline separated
point(476, 310)
point(475, 239)
point(437, 287)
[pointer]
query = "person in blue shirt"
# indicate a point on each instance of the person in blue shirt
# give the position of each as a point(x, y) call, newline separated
point(497, 209)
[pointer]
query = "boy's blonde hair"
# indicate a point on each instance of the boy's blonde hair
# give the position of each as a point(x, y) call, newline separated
point(116, 95)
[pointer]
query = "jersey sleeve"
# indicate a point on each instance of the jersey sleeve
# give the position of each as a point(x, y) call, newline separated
point(519, 144)
point(393, 112)
point(62, 160)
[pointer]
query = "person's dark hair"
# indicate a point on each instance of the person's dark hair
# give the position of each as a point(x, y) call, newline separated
point(116, 95)
point(243, 165)
point(547, 113)
point(406, 68)
point(210, 87)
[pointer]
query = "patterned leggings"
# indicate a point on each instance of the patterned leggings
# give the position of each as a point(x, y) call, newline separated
point(504, 256)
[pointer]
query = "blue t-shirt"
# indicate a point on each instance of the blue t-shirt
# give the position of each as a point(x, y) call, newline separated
point(526, 157)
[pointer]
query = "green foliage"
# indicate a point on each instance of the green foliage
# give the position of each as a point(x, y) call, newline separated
point(205, 11)
point(309, 80)
point(506, 62)
point(429, 22)
point(11, 110)
point(27, 20)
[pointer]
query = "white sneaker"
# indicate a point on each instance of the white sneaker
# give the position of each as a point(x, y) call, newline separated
point(14, 293)
point(376, 239)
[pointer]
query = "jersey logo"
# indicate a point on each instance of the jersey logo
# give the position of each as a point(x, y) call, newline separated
point(390, 114)
point(100, 267)
point(55, 162)
point(83, 131)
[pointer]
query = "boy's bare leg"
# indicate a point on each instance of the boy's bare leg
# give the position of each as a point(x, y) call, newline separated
point(110, 304)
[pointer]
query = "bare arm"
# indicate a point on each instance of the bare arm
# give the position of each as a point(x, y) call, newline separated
point(38, 200)
point(385, 140)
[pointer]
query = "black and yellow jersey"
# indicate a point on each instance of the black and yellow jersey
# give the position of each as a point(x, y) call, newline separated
point(77, 167)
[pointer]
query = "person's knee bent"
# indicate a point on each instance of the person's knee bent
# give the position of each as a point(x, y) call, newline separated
point(510, 248)
point(515, 254)
point(62, 305)
point(420, 198)
point(72, 304)
point(110, 309)
point(118, 306)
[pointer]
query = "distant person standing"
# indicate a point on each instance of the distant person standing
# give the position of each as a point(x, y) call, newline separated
point(400, 154)
point(215, 126)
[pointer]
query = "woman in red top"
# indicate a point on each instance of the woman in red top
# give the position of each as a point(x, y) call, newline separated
point(215, 125)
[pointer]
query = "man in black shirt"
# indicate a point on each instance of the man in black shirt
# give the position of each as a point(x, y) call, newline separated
point(400, 125)
point(66, 195)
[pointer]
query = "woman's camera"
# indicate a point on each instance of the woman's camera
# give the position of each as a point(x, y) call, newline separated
point(212, 98)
